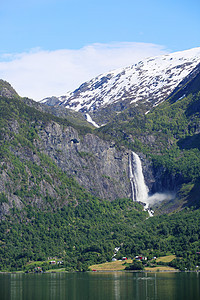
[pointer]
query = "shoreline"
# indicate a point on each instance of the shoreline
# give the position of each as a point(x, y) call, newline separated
point(101, 271)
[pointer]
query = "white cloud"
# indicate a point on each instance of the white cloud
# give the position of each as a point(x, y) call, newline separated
point(38, 73)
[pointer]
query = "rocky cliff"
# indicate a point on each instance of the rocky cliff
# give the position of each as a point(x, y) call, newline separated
point(47, 160)
point(42, 155)
point(97, 165)
point(28, 172)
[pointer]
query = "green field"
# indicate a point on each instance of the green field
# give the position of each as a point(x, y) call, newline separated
point(111, 266)
point(166, 259)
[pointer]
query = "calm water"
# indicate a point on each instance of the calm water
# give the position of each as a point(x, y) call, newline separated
point(100, 286)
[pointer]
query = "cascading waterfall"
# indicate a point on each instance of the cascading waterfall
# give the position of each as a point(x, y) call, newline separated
point(138, 186)
point(139, 189)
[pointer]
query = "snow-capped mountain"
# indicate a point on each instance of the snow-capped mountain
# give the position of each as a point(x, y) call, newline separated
point(148, 82)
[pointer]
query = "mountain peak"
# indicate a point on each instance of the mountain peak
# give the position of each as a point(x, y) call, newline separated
point(149, 82)
point(6, 90)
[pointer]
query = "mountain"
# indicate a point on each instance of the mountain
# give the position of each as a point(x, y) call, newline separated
point(6, 90)
point(52, 175)
point(36, 146)
point(66, 188)
point(168, 136)
point(141, 86)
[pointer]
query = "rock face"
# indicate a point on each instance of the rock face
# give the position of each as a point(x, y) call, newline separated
point(97, 165)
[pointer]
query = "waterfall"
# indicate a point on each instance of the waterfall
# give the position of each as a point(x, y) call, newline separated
point(138, 186)
point(140, 190)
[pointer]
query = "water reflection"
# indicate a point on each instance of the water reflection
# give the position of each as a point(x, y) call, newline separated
point(16, 286)
point(98, 286)
point(116, 283)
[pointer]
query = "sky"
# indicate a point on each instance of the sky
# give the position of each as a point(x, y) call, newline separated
point(49, 47)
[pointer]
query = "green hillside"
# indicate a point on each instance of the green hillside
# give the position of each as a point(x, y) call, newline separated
point(169, 136)
point(45, 213)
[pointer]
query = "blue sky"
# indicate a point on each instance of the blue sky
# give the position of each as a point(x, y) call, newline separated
point(131, 29)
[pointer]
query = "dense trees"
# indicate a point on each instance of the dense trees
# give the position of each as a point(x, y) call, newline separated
point(87, 233)
point(168, 134)
point(71, 224)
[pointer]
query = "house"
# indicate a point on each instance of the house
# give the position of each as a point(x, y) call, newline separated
point(114, 259)
point(140, 257)
point(144, 258)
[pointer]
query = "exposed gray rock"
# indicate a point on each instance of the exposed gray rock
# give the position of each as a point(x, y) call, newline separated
point(47, 189)
point(96, 164)
point(6, 90)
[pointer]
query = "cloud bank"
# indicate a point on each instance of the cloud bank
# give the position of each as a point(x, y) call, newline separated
point(38, 73)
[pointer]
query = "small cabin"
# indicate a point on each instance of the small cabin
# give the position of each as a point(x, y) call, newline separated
point(114, 259)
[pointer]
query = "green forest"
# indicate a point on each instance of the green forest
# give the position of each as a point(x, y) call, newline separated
point(88, 233)
point(169, 136)
point(77, 228)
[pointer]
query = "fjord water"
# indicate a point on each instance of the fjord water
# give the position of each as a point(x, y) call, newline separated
point(97, 286)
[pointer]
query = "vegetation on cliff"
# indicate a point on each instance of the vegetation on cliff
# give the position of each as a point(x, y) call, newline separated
point(45, 212)
point(169, 136)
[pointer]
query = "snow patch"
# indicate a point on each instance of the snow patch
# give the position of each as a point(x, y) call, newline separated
point(89, 119)
point(151, 80)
